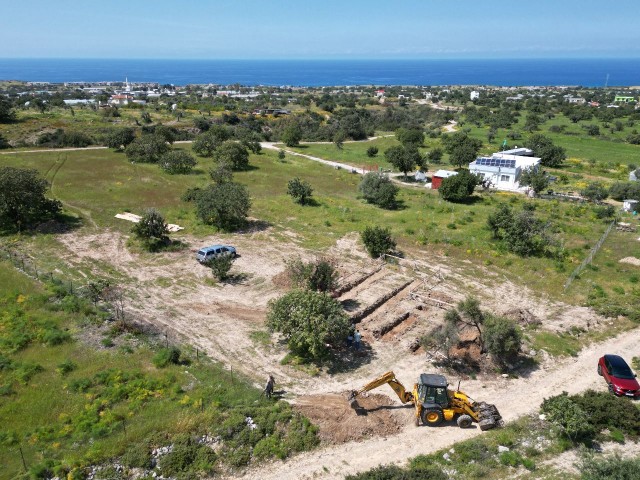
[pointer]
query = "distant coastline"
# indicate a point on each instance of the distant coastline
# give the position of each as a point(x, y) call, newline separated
point(588, 72)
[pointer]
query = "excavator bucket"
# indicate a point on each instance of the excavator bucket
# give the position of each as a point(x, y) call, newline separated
point(488, 416)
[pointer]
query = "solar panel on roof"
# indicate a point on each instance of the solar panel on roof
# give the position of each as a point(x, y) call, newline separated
point(496, 162)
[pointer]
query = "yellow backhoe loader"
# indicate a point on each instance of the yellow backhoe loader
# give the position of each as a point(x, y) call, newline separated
point(435, 403)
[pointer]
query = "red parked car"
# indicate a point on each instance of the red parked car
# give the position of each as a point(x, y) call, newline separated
point(621, 380)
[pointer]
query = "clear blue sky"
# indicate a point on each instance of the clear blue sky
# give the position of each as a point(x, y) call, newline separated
point(319, 28)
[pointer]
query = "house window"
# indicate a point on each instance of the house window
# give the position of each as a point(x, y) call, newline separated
point(505, 178)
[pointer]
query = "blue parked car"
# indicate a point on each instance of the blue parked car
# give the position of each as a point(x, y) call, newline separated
point(207, 253)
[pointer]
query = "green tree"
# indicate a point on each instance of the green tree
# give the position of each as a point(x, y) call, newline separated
point(249, 139)
point(377, 241)
point(535, 178)
point(299, 190)
point(232, 153)
point(521, 232)
point(468, 314)
point(595, 192)
point(311, 322)
point(7, 114)
point(168, 133)
point(220, 266)
point(177, 161)
point(442, 339)
point(338, 139)
point(550, 155)
point(146, 149)
point(372, 151)
point(410, 137)
point(152, 230)
point(503, 338)
point(225, 205)
point(3, 143)
point(120, 138)
point(378, 189)
point(207, 142)
point(435, 156)
point(569, 417)
point(22, 199)
point(403, 158)
point(291, 135)
point(221, 172)
point(320, 275)
point(461, 148)
point(458, 188)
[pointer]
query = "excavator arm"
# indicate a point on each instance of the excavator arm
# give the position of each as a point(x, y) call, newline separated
point(404, 395)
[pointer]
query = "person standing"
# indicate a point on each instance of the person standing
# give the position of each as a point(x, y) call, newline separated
point(357, 339)
point(268, 389)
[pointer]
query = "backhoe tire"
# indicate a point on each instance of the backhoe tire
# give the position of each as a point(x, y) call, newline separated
point(432, 417)
point(487, 424)
point(464, 421)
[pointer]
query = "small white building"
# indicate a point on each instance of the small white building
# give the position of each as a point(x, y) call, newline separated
point(474, 95)
point(630, 205)
point(503, 169)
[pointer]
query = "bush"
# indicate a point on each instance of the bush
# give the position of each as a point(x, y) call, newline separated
point(609, 468)
point(372, 152)
point(187, 456)
point(232, 153)
point(458, 188)
point(120, 138)
point(572, 420)
point(310, 321)
point(320, 275)
point(220, 266)
point(392, 472)
point(605, 211)
point(377, 241)
point(152, 230)
point(177, 161)
point(595, 192)
point(378, 189)
point(208, 142)
point(147, 149)
point(521, 232)
point(225, 205)
point(166, 357)
point(299, 190)
point(503, 338)
point(66, 367)
point(624, 190)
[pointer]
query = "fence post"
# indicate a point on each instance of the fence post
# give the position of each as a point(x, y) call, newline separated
point(24, 464)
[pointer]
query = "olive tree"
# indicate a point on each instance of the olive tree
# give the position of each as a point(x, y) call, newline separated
point(147, 149)
point(378, 189)
point(225, 205)
point(208, 142)
point(377, 241)
point(458, 188)
point(311, 322)
point(152, 230)
point(299, 190)
point(232, 153)
point(22, 198)
point(120, 138)
point(177, 161)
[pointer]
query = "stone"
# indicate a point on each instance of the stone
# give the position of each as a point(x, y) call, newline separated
point(502, 449)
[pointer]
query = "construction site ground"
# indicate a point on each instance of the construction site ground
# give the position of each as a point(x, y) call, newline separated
point(394, 304)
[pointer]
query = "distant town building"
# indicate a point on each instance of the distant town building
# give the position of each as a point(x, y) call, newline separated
point(576, 100)
point(120, 99)
point(474, 95)
point(624, 99)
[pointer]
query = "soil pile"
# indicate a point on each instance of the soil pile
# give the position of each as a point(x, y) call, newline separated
point(338, 423)
point(523, 316)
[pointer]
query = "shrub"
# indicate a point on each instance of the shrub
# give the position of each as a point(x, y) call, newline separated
point(152, 230)
point(595, 192)
point(232, 153)
point(320, 275)
point(378, 189)
point(299, 190)
point(372, 152)
point(458, 188)
point(66, 367)
point(566, 414)
point(225, 205)
point(377, 241)
point(310, 321)
point(187, 456)
point(120, 138)
point(609, 468)
point(166, 356)
point(392, 472)
point(503, 337)
point(147, 149)
point(605, 211)
point(220, 266)
point(177, 161)
point(208, 142)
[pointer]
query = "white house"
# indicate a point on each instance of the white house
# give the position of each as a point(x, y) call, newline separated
point(474, 95)
point(503, 169)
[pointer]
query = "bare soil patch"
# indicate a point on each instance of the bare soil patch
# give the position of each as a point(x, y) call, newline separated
point(339, 423)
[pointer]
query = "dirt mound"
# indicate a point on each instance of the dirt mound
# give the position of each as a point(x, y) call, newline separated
point(339, 423)
point(523, 316)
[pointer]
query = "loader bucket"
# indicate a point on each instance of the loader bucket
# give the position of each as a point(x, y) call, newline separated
point(488, 416)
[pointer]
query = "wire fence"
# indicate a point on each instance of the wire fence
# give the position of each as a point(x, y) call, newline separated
point(589, 258)
point(27, 266)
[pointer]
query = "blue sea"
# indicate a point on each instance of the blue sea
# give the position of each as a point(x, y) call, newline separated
point(500, 72)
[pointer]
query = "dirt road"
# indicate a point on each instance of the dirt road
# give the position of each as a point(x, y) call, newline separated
point(514, 398)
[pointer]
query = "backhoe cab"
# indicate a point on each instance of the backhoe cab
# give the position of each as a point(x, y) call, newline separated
point(434, 402)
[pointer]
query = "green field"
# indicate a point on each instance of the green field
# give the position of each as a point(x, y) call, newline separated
point(67, 403)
